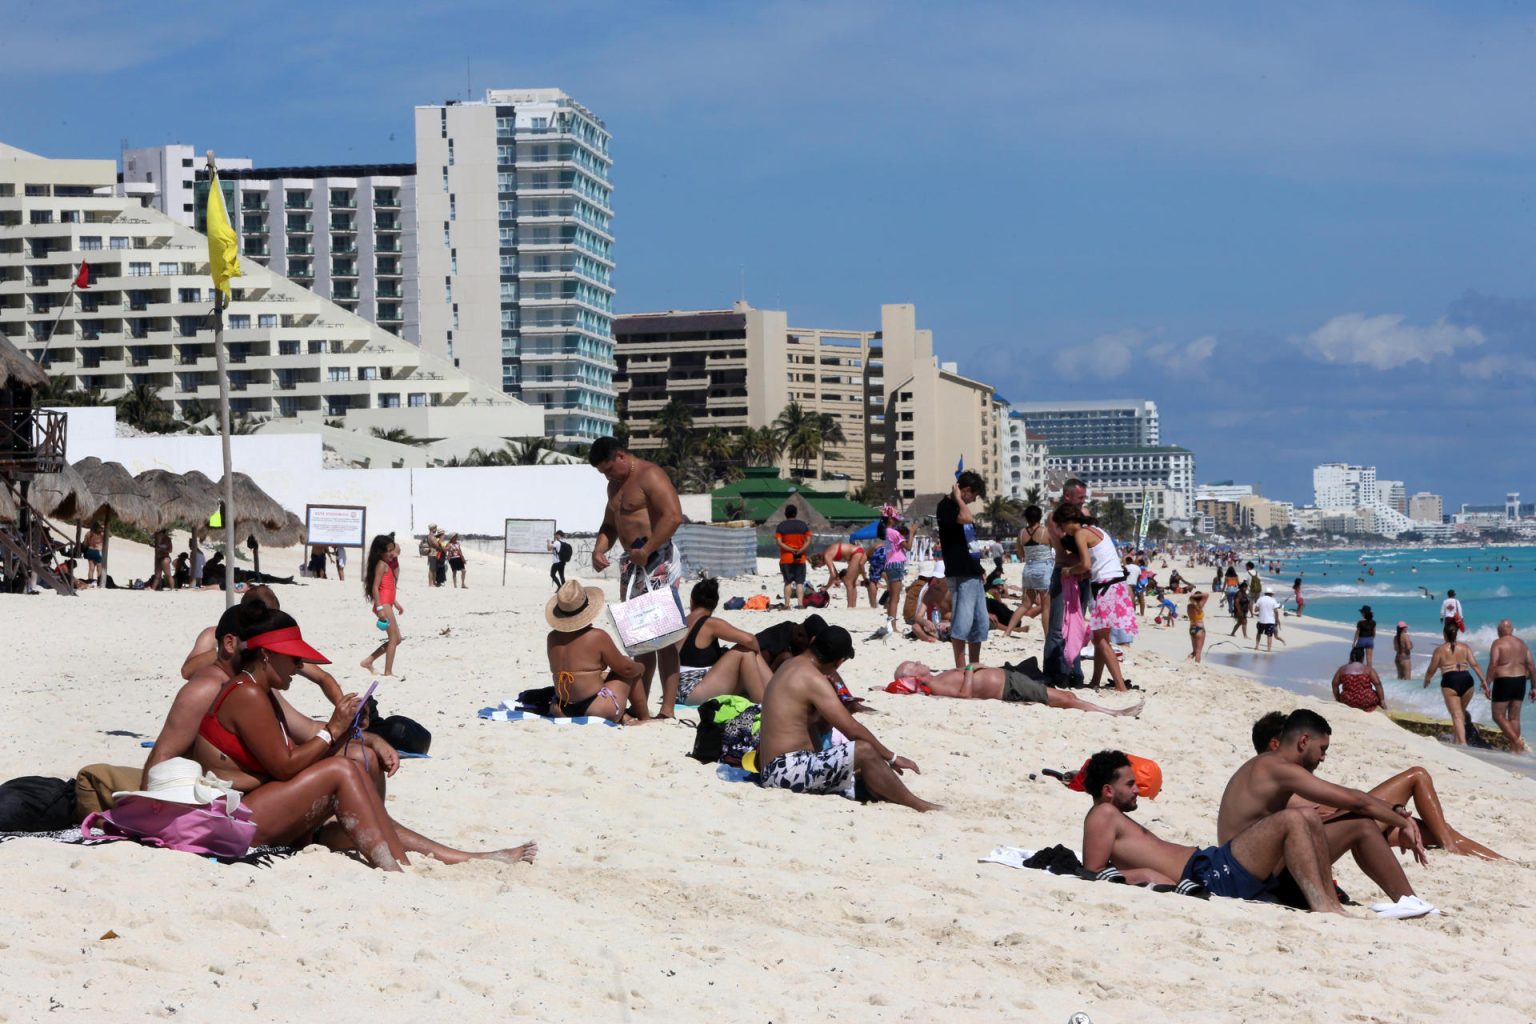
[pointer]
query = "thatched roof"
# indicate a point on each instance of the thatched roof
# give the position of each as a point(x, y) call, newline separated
point(16, 364)
point(63, 495)
point(117, 494)
point(290, 534)
point(180, 499)
point(255, 506)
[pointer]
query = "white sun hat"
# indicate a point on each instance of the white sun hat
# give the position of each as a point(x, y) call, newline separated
point(181, 780)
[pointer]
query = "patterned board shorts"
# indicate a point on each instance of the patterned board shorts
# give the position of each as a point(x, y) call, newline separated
point(806, 771)
point(665, 569)
point(688, 677)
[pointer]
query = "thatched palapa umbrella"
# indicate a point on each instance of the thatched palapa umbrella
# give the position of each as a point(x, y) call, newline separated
point(63, 495)
point(289, 534)
point(179, 500)
point(117, 497)
point(18, 366)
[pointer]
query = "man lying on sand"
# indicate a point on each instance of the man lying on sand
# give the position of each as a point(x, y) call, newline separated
point(800, 708)
point(1415, 784)
point(977, 682)
point(1236, 869)
point(1265, 785)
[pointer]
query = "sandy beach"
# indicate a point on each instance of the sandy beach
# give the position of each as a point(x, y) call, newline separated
point(663, 892)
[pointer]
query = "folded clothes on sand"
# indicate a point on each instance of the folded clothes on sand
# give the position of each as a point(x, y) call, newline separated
point(1059, 860)
point(507, 711)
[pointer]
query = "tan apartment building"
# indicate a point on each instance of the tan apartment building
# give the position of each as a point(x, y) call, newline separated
point(906, 420)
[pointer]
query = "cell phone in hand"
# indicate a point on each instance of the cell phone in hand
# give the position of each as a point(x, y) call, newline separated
point(362, 706)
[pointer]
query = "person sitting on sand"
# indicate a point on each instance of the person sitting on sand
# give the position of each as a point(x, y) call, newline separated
point(1265, 784)
point(1356, 684)
point(1415, 784)
point(977, 682)
point(206, 651)
point(1237, 869)
point(592, 676)
point(301, 786)
point(854, 556)
point(783, 640)
point(706, 668)
point(800, 709)
point(931, 622)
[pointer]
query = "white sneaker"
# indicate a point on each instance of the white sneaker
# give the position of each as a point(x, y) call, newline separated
point(1405, 908)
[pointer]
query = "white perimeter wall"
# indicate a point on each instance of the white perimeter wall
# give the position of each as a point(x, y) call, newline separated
point(290, 468)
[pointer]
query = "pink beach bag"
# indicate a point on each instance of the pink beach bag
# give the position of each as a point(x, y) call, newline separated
point(212, 829)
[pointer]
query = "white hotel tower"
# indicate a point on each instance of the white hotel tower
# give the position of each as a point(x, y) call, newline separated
point(515, 251)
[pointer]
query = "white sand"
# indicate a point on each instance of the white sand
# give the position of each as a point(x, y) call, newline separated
point(663, 893)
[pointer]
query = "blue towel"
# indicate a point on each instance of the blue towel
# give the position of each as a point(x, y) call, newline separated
point(506, 713)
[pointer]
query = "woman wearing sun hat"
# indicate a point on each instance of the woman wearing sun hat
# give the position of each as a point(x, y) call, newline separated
point(592, 676)
point(304, 786)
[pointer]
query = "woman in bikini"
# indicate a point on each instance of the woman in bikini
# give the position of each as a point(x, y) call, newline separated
point(592, 677)
point(1455, 663)
point(299, 786)
point(708, 669)
point(1356, 684)
point(379, 585)
point(1402, 651)
point(843, 551)
point(1197, 625)
point(1039, 559)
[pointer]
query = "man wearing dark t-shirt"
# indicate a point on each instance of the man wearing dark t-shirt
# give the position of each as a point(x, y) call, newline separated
point(792, 537)
point(962, 570)
point(787, 639)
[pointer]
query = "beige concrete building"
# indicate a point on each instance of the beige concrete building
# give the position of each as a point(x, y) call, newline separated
point(1426, 507)
point(906, 420)
point(1263, 514)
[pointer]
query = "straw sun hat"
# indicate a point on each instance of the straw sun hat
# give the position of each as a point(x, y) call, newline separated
point(181, 780)
point(573, 607)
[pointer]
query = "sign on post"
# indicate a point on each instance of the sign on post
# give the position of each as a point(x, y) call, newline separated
point(525, 537)
point(337, 525)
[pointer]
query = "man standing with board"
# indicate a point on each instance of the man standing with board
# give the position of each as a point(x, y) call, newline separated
point(642, 513)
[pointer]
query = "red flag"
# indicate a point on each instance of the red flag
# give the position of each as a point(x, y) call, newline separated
point(83, 279)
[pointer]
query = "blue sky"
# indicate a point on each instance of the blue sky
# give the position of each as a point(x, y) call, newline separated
point(1305, 230)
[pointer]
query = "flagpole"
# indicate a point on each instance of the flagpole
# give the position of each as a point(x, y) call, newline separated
point(42, 357)
point(229, 476)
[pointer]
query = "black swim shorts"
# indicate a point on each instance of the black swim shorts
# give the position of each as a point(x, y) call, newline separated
point(1508, 688)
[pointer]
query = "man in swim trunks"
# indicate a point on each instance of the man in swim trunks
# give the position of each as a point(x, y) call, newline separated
point(92, 553)
point(1239, 868)
point(800, 709)
point(1265, 785)
point(642, 514)
point(977, 682)
point(1509, 669)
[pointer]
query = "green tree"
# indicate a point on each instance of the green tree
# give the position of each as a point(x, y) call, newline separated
point(530, 451)
point(399, 435)
point(674, 424)
point(143, 408)
point(1004, 513)
point(758, 446)
point(1033, 495)
point(62, 390)
point(1115, 517)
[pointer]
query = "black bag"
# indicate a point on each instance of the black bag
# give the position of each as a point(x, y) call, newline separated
point(710, 734)
point(33, 803)
point(404, 734)
point(540, 701)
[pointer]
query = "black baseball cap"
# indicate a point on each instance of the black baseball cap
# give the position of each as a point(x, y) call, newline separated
point(814, 624)
point(832, 644)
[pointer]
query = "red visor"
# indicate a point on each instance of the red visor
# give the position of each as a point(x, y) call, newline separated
point(288, 641)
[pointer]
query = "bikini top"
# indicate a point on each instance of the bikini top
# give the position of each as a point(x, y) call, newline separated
point(699, 657)
point(227, 742)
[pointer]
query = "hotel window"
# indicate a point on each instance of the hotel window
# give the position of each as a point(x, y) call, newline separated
point(189, 295)
point(170, 269)
point(266, 320)
point(340, 374)
point(119, 242)
point(316, 347)
point(367, 373)
point(417, 400)
point(90, 243)
point(138, 269)
point(287, 348)
point(237, 321)
point(389, 401)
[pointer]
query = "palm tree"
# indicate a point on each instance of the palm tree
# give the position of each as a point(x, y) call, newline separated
point(142, 407)
point(734, 508)
point(530, 451)
point(62, 390)
point(799, 435)
point(758, 446)
point(1004, 513)
point(399, 435)
point(196, 410)
point(718, 452)
point(1033, 495)
point(1115, 517)
point(869, 493)
point(674, 423)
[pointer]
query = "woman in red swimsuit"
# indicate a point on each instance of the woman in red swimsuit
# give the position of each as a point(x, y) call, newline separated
point(379, 585)
point(1357, 685)
point(302, 785)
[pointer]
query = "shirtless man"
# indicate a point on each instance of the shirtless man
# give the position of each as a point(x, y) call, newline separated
point(930, 620)
point(1509, 669)
point(1236, 869)
point(591, 675)
point(977, 682)
point(800, 707)
point(855, 556)
point(1060, 665)
point(92, 552)
point(1267, 782)
point(1415, 784)
point(179, 733)
point(642, 514)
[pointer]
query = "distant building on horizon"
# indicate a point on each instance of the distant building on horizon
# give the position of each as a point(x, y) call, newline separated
point(1023, 453)
point(514, 208)
point(1094, 423)
point(1224, 490)
point(1162, 475)
point(1338, 486)
point(1393, 494)
point(1426, 507)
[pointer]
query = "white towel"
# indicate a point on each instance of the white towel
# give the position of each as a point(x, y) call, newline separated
point(1008, 856)
point(507, 712)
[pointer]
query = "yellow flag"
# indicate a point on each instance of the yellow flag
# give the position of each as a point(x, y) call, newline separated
point(223, 246)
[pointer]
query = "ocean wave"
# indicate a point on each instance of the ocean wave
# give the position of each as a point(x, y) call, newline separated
point(1325, 590)
point(1481, 638)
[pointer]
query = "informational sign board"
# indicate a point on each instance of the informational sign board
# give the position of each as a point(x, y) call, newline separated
point(529, 536)
point(337, 525)
point(525, 537)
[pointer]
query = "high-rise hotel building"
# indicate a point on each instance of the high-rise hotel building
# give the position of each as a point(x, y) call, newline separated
point(515, 251)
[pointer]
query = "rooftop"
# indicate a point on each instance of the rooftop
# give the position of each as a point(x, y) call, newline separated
point(1162, 449)
point(317, 171)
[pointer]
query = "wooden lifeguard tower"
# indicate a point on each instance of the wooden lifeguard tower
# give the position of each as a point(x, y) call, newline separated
point(31, 443)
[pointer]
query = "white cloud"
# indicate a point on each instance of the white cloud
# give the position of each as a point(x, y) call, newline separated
point(1187, 359)
point(1107, 356)
point(1386, 341)
point(1493, 367)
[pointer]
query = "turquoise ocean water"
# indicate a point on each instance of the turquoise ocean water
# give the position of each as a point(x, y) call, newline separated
point(1408, 584)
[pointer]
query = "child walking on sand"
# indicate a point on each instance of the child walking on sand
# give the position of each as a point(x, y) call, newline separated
point(379, 585)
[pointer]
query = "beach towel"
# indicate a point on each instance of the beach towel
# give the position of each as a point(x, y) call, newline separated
point(908, 686)
point(507, 711)
point(1060, 860)
point(1074, 628)
point(257, 856)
